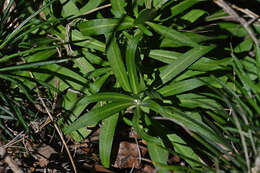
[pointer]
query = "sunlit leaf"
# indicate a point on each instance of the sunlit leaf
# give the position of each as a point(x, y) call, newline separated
point(172, 34)
point(118, 7)
point(184, 62)
point(97, 114)
point(103, 26)
point(107, 131)
point(117, 64)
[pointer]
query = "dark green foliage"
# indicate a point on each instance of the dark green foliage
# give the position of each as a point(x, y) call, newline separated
point(160, 61)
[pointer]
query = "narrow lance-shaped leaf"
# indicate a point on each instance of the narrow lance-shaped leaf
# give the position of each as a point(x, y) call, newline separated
point(172, 34)
point(19, 84)
point(97, 114)
point(117, 64)
point(257, 54)
point(32, 65)
point(69, 8)
point(97, 85)
point(248, 84)
point(106, 96)
point(87, 41)
point(184, 62)
point(182, 6)
point(104, 26)
point(145, 15)
point(180, 87)
point(90, 5)
point(6, 12)
point(118, 7)
point(20, 27)
point(184, 150)
point(159, 3)
point(158, 154)
point(139, 130)
point(131, 64)
point(20, 117)
point(164, 55)
point(106, 136)
point(184, 120)
point(22, 53)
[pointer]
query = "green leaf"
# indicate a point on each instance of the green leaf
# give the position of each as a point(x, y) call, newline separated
point(182, 148)
point(193, 101)
point(117, 64)
point(233, 28)
point(19, 28)
point(97, 85)
point(193, 15)
point(257, 54)
point(145, 15)
point(33, 65)
point(207, 64)
point(26, 52)
point(198, 38)
point(248, 84)
point(19, 84)
point(180, 87)
point(70, 102)
point(118, 7)
point(182, 169)
point(244, 46)
point(104, 26)
point(172, 34)
point(159, 3)
point(159, 155)
point(107, 131)
point(69, 8)
point(106, 96)
point(94, 59)
point(182, 6)
point(90, 5)
point(131, 64)
point(182, 64)
point(83, 64)
point(68, 77)
point(40, 56)
point(97, 114)
point(99, 72)
point(86, 41)
point(20, 117)
point(139, 130)
point(145, 30)
point(184, 120)
point(165, 56)
point(6, 12)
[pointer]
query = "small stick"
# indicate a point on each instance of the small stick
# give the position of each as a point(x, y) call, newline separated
point(58, 130)
point(55, 124)
point(241, 20)
point(246, 11)
point(92, 11)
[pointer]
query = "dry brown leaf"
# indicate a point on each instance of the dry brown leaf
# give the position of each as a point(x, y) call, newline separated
point(44, 153)
point(128, 155)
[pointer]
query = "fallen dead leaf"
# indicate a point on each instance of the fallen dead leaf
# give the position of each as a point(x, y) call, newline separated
point(128, 155)
point(43, 154)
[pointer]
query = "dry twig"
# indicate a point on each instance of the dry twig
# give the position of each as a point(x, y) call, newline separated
point(226, 7)
point(56, 127)
point(54, 123)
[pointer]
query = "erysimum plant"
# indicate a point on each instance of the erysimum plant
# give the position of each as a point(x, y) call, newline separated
point(153, 61)
point(153, 65)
